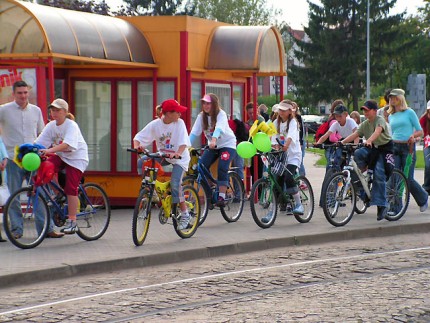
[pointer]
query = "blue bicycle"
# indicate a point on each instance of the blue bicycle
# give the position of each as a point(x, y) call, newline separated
point(207, 187)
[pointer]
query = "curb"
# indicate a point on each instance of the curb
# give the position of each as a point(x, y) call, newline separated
point(67, 271)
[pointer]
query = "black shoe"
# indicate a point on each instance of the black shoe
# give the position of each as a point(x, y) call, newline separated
point(382, 210)
point(282, 208)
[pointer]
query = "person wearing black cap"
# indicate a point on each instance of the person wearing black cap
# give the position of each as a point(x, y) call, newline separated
point(406, 129)
point(376, 155)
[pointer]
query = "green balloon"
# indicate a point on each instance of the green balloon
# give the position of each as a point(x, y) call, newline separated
point(262, 142)
point(31, 161)
point(246, 149)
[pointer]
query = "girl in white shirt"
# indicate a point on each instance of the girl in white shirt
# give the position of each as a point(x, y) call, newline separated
point(64, 139)
point(212, 121)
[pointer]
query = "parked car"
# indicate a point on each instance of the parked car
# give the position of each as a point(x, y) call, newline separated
point(312, 122)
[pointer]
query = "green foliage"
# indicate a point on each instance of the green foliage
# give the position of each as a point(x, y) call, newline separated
point(98, 7)
point(240, 12)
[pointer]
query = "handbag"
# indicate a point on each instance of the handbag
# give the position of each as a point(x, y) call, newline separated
point(4, 191)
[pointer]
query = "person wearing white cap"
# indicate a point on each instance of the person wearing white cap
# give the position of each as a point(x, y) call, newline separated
point(69, 152)
point(425, 124)
point(212, 121)
point(406, 129)
point(21, 123)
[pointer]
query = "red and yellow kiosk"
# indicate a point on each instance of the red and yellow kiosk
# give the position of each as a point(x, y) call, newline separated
point(114, 71)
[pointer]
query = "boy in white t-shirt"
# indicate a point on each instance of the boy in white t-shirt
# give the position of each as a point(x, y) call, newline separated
point(171, 137)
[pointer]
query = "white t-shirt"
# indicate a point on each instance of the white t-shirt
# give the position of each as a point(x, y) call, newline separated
point(69, 133)
point(227, 139)
point(345, 130)
point(168, 138)
point(294, 150)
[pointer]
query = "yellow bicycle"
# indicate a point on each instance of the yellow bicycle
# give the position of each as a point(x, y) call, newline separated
point(153, 192)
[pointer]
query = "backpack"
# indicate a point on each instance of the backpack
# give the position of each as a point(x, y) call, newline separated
point(321, 131)
point(242, 133)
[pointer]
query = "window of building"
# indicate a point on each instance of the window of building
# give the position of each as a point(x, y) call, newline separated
point(123, 127)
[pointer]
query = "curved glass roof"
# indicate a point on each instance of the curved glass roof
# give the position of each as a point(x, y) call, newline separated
point(31, 28)
point(257, 48)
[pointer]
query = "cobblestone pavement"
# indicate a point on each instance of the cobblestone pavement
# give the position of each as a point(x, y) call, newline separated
point(369, 280)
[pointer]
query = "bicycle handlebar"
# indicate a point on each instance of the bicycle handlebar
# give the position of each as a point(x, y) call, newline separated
point(157, 154)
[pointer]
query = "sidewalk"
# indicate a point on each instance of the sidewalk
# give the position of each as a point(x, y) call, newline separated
point(61, 258)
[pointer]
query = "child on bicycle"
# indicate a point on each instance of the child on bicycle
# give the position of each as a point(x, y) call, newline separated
point(376, 156)
point(288, 135)
point(70, 152)
point(171, 137)
point(221, 140)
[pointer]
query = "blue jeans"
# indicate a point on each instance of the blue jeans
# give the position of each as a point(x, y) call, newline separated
point(224, 156)
point(362, 158)
point(16, 176)
point(302, 170)
point(426, 184)
point(176, 184)
point(401, 152)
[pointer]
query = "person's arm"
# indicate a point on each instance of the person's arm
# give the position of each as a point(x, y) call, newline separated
point(350, 138)
point(375, 134)
point(417, 126)
point(324, 137)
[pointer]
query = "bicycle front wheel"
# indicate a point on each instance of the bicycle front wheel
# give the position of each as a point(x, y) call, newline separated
point(94, 212)
point(307, 199)
point(397, 194)
point(338, 200)
point(234, 197)
point(203, 196)
point(26, 218)
point(141, 217)
point(264, 205)
point(192, 201)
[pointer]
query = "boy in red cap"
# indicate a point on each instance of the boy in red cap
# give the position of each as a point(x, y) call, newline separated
point(171, 137)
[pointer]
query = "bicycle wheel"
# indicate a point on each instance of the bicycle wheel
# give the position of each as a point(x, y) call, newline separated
point(397, 194)
point(360, 205)
point(203, 196)
point(338, 200)
point(234, 197)
point(307, 198)
point(192, 200)
point(141, 217)
point(264, 204)
point(94, 216)
point(26, 218)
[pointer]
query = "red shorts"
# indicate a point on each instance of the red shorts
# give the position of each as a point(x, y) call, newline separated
point(73, 175)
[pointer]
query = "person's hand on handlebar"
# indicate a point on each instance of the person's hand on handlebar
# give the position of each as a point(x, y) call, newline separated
point(212, 144)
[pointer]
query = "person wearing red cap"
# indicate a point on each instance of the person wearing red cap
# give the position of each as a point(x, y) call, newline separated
point(212, 121)
point(376, 156)
point(171, 137)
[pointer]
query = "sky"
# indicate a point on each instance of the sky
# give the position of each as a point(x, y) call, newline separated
point(295, 12)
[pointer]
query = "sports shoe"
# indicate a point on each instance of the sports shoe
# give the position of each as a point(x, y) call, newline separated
point(382, 210)
point(267, 218)
point(184, 221)
point(299, 209)
point(70, 228)
point(424, 207)
point(303, 187)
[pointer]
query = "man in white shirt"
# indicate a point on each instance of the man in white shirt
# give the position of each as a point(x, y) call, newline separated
point(21, 123)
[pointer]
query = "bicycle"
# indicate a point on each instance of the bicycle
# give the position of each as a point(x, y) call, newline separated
point(207, 188)
point(335, 166)
point(150, 188)
point(38, 202)
point(266, 193)
point(342, 188)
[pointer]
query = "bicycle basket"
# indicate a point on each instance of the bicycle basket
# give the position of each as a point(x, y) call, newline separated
point(278, 163)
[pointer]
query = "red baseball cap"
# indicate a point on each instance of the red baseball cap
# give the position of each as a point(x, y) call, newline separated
point(172, 105)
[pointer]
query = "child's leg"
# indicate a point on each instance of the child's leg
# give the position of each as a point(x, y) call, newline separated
point(73, 178)
point(225, 157)
point(176, 187)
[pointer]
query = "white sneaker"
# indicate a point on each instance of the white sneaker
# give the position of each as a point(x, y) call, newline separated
point(184, 221)
point(424, 207)
point(299, 209)
point(70, 228)
point(268, 217)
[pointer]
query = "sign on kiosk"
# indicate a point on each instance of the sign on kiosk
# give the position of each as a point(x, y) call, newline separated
point(10, 75)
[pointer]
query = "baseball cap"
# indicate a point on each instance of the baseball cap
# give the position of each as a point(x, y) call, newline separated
point(428, 105)
point(284, 106)
point(60, 104)
point(340, 109)
point(370, 105)
point(275, 108)
point(396, 92)
point(172, 105)
point(206, 98)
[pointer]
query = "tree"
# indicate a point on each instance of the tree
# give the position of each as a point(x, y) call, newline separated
point(335, 57)
point(239, 12)
point(154, 8)
point(92, 6)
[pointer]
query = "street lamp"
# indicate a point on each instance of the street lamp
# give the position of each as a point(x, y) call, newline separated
point(368, 53)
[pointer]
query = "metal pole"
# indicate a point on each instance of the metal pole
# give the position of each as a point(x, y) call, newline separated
point(368, 53)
